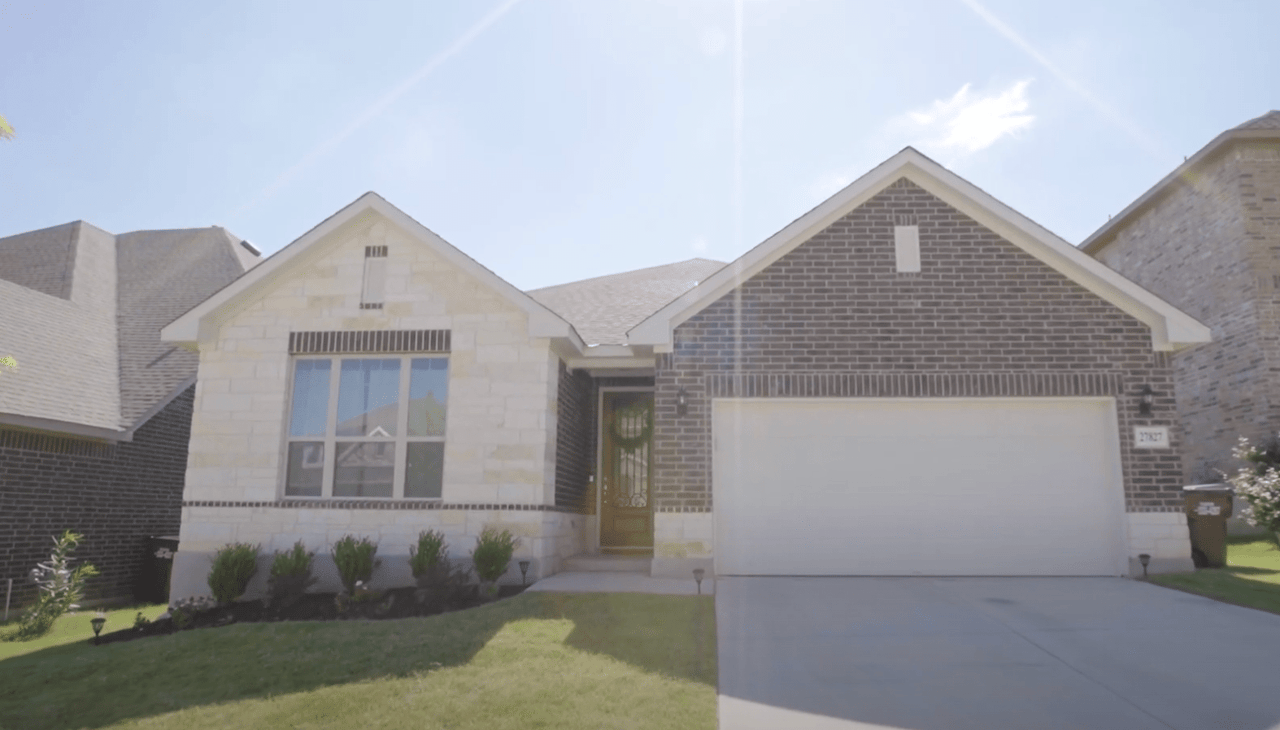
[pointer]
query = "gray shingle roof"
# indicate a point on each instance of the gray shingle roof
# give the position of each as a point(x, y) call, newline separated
point(604, 308)
point(1270, 120)
point(83, 312)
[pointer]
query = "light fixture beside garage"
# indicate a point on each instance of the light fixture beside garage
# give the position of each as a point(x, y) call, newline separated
point(1145, 398)
point(682, 402)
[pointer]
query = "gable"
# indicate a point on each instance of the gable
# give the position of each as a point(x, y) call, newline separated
point(1169, 327)
point(837, 303)
point(303, 265)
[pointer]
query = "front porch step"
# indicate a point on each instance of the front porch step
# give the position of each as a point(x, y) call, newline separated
point(607, 563)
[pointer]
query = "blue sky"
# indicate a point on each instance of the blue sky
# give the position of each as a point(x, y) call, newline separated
point(555, 140)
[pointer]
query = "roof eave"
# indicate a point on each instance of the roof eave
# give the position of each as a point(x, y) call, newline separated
point(1102, 237)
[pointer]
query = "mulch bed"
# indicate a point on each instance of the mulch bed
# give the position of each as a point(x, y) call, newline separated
point(392, 604)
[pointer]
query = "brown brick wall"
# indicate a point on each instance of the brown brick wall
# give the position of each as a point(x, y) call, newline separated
point(575, 445)
point(115, 495)
point(1210, 244)
point(833, 317)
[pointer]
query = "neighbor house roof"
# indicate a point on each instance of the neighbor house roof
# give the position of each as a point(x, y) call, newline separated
point(602, 309)
point(1266, 126)
point(82, 315)
point(1170, 327)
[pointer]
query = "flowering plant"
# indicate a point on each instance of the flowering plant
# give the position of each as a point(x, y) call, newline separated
point(1258, 483)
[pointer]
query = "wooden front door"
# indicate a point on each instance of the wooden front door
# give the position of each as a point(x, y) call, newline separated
point(626, 468)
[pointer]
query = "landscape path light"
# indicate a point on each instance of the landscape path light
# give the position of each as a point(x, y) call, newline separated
point(1145, 559)
point(524, 571)
point(697, 576)
point(98, 621)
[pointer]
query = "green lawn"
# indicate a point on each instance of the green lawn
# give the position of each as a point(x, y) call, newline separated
point(1251, 578)
point(549, 660)
point(72, 627)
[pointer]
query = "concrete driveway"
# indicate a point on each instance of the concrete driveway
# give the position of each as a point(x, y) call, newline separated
point(991, 653)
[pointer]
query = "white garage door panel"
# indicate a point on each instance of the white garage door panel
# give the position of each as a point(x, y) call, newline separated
point(917, 487)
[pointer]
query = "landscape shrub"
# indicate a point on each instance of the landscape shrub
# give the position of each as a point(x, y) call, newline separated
point(493, 553)
point(355, 561)
point(233, 567)
point(60, 588)
point(183, 612)
point(290, 576)
point(439, 581)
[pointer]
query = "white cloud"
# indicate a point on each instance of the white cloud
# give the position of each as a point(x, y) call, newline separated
point(968, 122)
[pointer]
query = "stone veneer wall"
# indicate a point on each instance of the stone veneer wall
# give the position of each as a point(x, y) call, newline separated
point(1210, 245)
point(834, 318)
point(500, 439)
point(116, 495)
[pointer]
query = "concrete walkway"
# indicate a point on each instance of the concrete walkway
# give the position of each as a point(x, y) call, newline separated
point(988, 653)
point(610, 582)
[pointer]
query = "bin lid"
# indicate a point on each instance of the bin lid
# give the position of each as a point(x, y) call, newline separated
point(1220, 487)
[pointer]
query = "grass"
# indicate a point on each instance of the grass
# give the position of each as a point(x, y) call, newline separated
point(72, 627)
point(1251, 578)
point(537, 660)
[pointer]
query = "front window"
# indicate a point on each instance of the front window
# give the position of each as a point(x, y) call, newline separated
point(367, 427)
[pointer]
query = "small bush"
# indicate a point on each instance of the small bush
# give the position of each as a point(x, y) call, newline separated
point(429, 553)
point(140, 622)
point(493, 553)
point(290, 576)
point(355, 561)
point(233, 567)
point(61, 587)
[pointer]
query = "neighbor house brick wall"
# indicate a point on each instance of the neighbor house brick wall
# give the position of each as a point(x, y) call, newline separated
point(833, 317)
point(1210, 245)
point(116, 495)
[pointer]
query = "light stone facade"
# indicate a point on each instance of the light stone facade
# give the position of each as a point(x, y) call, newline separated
point(682, 541)
point(1163, 536)
point(500, 434)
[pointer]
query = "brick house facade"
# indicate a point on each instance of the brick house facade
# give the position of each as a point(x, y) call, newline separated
point(1207, 239)
point(117, 495)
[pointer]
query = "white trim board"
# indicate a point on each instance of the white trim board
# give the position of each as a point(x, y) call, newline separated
point(1171, 329)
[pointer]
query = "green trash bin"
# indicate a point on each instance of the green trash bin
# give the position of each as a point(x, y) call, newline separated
point(1208, 507)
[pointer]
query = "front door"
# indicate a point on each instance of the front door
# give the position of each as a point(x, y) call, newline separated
point(626, 468)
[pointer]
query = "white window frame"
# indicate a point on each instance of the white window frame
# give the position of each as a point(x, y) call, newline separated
point(331, 440)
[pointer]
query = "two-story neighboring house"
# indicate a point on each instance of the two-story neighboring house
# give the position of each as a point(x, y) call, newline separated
point(1206, 239)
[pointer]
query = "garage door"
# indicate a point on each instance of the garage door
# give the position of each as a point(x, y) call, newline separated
point(917, 487)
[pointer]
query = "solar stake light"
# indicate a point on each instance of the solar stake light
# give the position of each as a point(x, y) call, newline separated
point(697, 576)
point(524, 571)
point(98, 621)
point(1144, 559)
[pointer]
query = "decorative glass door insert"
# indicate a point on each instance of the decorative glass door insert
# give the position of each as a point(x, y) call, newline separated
point(626, 467)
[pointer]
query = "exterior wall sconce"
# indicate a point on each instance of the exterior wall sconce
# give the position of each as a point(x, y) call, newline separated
point(682, 402)
point(1145, 398)
point(1145, 559)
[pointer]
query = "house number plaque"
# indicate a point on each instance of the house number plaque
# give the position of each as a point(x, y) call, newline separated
point(1151, 437)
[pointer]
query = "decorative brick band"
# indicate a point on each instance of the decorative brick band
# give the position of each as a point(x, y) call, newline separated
point(682, 510)
point(911, 385)
point(50, 444)
point(345, 341)
point(1131, 508)
point(388, 504)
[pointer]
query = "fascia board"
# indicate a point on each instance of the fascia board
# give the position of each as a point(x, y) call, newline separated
point(657, 328)
point(64, 427)
point(1171, 328)
point(187, 328)
point(612, 363)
